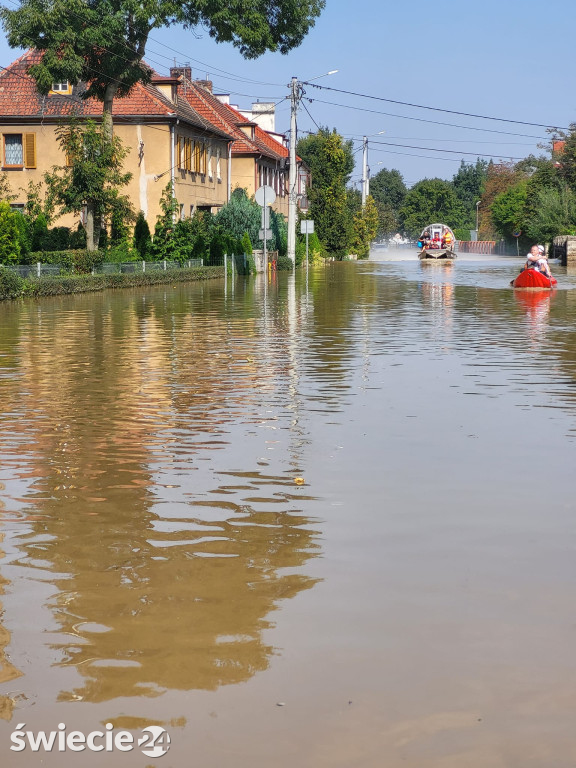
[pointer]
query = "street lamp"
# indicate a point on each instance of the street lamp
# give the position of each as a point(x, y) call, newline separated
point(477, 204)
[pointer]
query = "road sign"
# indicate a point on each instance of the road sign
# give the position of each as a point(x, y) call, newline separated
point(265, 195)
point(265, 222)
point(306, 226)
point(517, 233)
point(265, 234)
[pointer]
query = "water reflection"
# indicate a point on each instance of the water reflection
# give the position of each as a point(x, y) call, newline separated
point(150, 440)
point(8, 671)
point(166, 579)
point(536, 305)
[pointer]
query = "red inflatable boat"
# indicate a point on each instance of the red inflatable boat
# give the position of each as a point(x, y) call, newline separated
point(531, 278)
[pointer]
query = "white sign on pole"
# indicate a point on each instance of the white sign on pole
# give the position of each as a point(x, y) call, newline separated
point(306, 226)
point(265, 217)
point(265, 195)
point(265, 234)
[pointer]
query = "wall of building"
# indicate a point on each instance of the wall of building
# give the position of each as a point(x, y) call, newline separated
point(148, 159)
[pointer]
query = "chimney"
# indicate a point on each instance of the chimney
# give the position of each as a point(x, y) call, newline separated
point(205, 84)
point(178, 71)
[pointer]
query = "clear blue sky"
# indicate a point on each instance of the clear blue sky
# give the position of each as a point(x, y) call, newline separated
point(507, 59)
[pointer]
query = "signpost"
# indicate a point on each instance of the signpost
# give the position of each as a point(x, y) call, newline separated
point(517, 234)
point(265, 196)
point(306, 228)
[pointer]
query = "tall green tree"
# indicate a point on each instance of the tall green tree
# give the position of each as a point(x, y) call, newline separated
point(508, 209)
point(469, 182)
point(554, 213)
point(103, 42)
point(388, 189)
point(364, 228)
point(331, 163)
point(93, 179)
point(430, 201)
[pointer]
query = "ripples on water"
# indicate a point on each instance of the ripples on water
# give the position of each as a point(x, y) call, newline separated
point(149, 443)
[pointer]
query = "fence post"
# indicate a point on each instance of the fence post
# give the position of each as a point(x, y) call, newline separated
point(164, 262)
point(38, 269)
point(143, 266)
point(225, 265)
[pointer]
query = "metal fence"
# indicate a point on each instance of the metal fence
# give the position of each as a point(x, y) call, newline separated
point(107, 268)
point(131, 267)
point(35, 270)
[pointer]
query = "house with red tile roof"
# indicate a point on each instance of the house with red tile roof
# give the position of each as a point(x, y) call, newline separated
point(257, 156)
point(167, 138)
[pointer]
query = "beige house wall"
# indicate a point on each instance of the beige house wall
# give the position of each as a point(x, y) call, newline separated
point(244, 173)
point(149, 161)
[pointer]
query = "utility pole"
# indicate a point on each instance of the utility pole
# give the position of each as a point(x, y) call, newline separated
point(365, 180)
point(292, 176)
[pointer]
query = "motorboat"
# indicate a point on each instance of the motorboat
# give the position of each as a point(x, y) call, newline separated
point(436, 242)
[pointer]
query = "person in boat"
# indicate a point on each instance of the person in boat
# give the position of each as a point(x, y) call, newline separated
point(436, 242)
point(425, 241)
point(447, 240)
point(537, 260)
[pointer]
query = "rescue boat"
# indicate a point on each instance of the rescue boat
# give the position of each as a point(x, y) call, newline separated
point(532, 278)
point(437, 247)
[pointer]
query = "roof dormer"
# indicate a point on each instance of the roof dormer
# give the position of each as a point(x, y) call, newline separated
point(168, 87)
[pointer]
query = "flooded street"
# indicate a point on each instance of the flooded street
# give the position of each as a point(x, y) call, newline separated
point(411, 604)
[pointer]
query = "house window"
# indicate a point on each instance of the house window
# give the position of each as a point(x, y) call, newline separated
point(218, 173)
point(19, 150)
point(63, 87)
point(210, 174)
point(13, 150)
point(182, 214)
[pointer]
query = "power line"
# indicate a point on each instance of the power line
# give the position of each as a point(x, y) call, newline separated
point(433, 109)
point(433, 149)
point(423, 120)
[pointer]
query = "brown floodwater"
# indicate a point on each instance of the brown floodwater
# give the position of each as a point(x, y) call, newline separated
point(411, 603)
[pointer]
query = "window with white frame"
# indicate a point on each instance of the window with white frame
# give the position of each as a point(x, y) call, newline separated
point(218, 170)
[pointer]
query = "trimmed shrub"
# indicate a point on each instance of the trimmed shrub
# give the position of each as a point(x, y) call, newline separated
point(81, 261)
point(284, 263)
point(462, 234)
point(11, 284)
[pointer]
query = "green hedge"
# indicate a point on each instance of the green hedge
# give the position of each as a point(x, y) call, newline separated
point(12, 286)
point(71, 261)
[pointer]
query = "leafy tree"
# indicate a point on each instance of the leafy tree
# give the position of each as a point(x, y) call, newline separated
point(429, 201)
point(162, 244)
point(39, 232)
point(93, 178)
point(365, 226)
point(142, 237)
point(469, 182)
point(102, 42)
point(508, 209)
point(328, 156)
point(388, 189)
point(246, 244)
point(239, 215)
point(9, 235)
point(331, 163)
point(567, 158)
point(5, 189)
point(554, 214)
point(499, 178)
